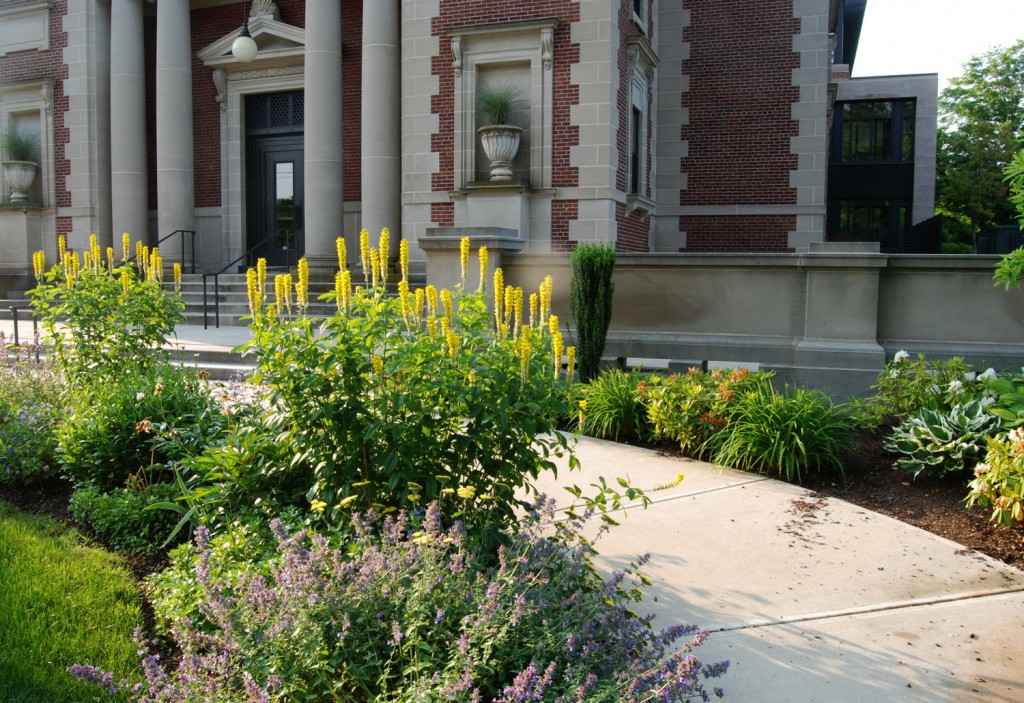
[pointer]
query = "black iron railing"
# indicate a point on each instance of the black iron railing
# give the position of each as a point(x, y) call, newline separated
point(248, 258)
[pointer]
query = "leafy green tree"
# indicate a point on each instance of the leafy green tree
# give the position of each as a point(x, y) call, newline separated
point(981, 118)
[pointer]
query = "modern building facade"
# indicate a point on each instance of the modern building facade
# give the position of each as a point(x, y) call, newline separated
point(658, 125)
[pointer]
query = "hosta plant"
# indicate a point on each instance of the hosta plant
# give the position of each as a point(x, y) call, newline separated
point(908, 385)
point(940, 443)
point(999, 481)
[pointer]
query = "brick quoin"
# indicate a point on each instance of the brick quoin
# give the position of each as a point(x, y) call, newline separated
point(31, 64)
point(740, 100)
point(442, 214)
point(757, 233)
point(562, 213)
point(460, 13)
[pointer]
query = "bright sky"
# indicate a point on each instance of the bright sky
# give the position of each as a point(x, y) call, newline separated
point(937, 36)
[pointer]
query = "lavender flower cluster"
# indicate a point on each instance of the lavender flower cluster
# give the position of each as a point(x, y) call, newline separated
point(404, 611)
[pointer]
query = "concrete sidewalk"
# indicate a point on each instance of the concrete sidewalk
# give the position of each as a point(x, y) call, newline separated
point(810, 598)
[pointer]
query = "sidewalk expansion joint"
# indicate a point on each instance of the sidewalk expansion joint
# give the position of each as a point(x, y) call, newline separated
point(869, 609)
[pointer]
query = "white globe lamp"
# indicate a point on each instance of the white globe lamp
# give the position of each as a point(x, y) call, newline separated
point(244, 48)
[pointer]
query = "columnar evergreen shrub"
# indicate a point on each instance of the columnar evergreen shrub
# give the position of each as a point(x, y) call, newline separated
point(590, 300)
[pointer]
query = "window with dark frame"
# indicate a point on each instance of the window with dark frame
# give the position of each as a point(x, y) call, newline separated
point(874, 131)
point(638, 8)
point(635, 136)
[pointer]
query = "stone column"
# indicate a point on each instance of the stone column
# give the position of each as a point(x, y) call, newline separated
point(129, 181)
point(324, 194)
point(381, 120)
point(174, 165)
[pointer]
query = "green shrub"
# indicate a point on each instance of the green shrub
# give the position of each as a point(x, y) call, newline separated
point(123, 519)
point(30, 410)
point(906, 386)
point(940, 443)
point(396, 401)
point(402, 612)
point(104, 322)
point(691, 408)
point(136, 421)
point(612, 407)
point(590, 300)
point(787, 433)
point(999, 481)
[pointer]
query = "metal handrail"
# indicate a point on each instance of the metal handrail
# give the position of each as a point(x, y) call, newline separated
point(216, 282)
point(182, 232)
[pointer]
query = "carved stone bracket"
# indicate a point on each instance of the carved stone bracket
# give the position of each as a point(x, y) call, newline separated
point(220, 82)
point(457, 55)
point(47, 92)
point(547, 39)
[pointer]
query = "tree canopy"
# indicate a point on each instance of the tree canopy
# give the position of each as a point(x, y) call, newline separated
point(981, 120)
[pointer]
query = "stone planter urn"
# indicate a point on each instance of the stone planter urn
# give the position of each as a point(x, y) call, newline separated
point(500, 143)
point(19, 176)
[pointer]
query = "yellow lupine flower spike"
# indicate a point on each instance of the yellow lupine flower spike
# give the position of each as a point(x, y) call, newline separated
point(533, 309)
point(385, 253)
point(302, 287)
point(557, 348)
point(126, 243)
point(374, 267)
point(87, 255)
point(482, 255)
point(339, 290)
point(177, 278)
point(339, 244)
point(125, 281)
point(110, 258)
point(419, 300)
point(553, 325)
point(279, 293)
point(453, 344)
point(464, 258)
point(364, 252)
point(62, 246)
point(403, 258)
point(139, 246)
point(499, 301)
point(261, 277)
point(432, 300)
point(251, 286)
point(346, 288)
point(39, 264)
point(525, 353)
point(446, 302)
point(432, 326)
point(570, 366)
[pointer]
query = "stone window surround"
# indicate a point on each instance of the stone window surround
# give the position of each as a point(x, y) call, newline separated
point(33, 100)
point(641, 77)
point(499, 43)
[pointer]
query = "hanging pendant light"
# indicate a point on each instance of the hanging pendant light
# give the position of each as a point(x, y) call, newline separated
point(244, 47)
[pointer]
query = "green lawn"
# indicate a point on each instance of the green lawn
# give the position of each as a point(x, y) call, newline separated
point(61, 603)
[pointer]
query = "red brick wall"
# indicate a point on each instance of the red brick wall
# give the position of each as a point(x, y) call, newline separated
point(737, 233)
point(740, 98)
point(633, 233)
point(562, 212)
point(442, 214)
point(32, 64)
point(458, 13)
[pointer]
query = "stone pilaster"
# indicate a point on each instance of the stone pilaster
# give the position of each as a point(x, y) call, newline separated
point(129, 192)
point(324, 195)
point(174, 141)
point(381, 119)
point(87, 25)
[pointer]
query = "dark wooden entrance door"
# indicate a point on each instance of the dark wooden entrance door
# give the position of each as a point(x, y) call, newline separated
point(275, 182)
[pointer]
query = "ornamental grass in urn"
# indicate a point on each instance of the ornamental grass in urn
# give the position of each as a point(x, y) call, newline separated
point(17, 151)
point(500, 140)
